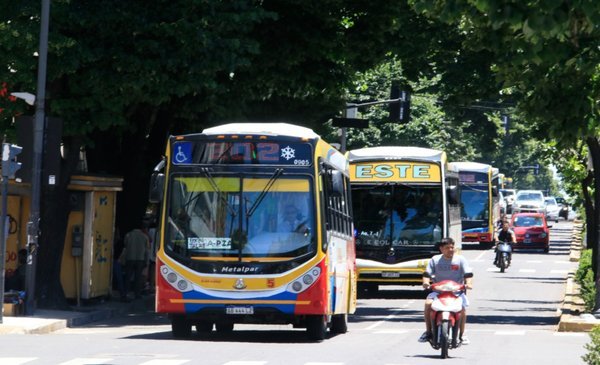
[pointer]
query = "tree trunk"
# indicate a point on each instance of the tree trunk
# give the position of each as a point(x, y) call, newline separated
point(588, 204)
point(593, 224)
point(53, 226)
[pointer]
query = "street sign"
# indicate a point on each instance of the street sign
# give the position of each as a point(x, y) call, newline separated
point(350, 123)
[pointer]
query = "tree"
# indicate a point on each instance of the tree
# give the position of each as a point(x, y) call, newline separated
point(125, 75)
point(545, 54)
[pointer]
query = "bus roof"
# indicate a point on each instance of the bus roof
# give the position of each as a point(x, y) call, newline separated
point(472, 166)
point(396, 153)
point(272, 129)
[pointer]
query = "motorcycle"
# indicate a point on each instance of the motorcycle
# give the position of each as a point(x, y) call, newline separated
point(503, 255)
point(446, 314)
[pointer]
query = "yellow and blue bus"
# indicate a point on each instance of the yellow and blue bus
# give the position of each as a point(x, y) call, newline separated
point(405, 200)
point(480, 208)
point(227, 255)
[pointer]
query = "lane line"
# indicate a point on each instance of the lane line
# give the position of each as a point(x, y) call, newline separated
point(16, 360)
point(510, 333)
point(86, 361)
point(393, 315)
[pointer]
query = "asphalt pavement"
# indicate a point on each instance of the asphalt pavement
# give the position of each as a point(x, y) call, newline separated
point(572, 319)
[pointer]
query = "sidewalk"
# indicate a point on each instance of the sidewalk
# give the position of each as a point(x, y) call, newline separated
point(572, 318)
point(46, 321)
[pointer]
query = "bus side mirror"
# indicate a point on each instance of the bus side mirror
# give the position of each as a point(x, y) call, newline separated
point(453, 195)
point(337, 180)
point(157, 183)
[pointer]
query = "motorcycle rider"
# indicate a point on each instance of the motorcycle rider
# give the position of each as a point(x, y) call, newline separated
point(447, 266)
point(504, 235)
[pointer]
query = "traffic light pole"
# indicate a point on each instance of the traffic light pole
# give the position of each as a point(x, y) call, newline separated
point(33, 225)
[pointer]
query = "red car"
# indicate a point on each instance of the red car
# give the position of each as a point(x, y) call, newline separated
point(531, 231)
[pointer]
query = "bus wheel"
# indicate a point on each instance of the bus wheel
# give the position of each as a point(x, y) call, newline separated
point(224, 326)
point(180, 327)
point(339, 323)
point(204, 326)
point(316, 327)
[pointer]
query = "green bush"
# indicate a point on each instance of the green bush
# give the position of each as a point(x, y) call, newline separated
point(584, 276)
point(593, 355)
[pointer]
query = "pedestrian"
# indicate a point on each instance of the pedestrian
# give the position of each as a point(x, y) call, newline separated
point(137, 246)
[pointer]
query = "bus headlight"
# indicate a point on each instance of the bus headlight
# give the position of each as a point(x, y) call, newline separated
point(175, 280)
point(306, 280)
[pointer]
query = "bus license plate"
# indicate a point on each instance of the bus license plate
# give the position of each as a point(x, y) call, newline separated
point(390, 274)
point(239, 310)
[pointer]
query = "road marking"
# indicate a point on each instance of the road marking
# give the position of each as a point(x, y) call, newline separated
point(480, 256)
point(560, 271)
point(86, 361)
point(15, 360)
point(170, 362)
point(526, 270)
point(391, 332)
point(394, 314)
point(534, 261)
point(510, 333)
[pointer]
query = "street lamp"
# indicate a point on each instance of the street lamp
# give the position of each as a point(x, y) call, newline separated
point(28, 97)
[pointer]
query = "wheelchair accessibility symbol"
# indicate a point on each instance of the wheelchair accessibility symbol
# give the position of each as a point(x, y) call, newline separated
point(182, 153)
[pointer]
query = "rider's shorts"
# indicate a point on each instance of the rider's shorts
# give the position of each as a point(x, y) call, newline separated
point(465, 300)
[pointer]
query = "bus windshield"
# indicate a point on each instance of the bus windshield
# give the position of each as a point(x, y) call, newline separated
point(475, 204)
point(229, 217)
point(397, 215)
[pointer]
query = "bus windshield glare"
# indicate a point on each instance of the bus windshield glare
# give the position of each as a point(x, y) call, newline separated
point(397, 215)
point(229, 217)
point(475, 206)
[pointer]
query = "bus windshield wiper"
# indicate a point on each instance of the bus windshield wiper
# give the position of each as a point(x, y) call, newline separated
point(264, 192)
point(222, 197)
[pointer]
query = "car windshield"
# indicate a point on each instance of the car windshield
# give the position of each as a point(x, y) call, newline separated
point(530, 196)
point(550, 201)
point(527, 221)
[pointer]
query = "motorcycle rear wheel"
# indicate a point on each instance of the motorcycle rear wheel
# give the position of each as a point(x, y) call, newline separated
point(501, 263)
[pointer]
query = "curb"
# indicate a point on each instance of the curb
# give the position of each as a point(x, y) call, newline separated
point(572, 318)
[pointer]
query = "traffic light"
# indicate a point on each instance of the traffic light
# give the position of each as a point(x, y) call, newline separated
point(399, 110)
point(506, 123)
point(10, 165)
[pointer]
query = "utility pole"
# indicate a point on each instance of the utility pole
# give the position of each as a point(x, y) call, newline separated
point(33, 225)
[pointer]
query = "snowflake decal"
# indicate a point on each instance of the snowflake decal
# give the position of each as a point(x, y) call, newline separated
point(288, 153)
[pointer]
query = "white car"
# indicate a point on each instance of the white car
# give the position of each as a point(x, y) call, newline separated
point(509, 197)
point(502, 202)
point(529, 201)
point(552, 209)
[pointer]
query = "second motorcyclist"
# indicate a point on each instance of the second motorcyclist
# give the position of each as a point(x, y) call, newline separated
point(505, 234)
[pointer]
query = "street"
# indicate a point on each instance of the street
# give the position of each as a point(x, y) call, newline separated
point(512, 320)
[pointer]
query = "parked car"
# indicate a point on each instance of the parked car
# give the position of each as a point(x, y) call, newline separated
point(531, 231)
point(552, 209)
point(529, 201)
point(509, 197)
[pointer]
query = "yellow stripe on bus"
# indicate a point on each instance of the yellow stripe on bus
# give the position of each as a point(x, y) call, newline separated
point(232, 184)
